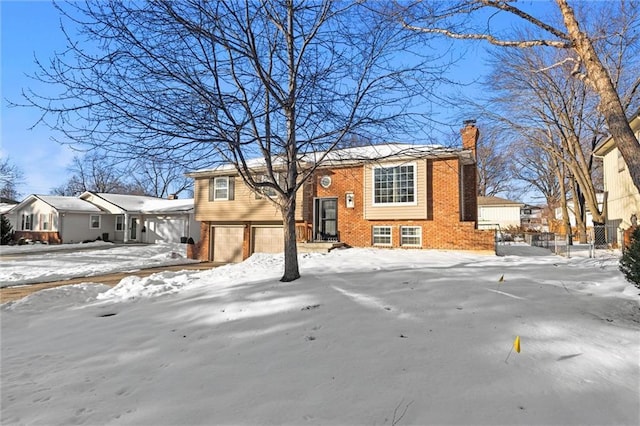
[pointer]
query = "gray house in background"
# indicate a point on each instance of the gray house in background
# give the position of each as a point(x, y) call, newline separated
point(115, 217)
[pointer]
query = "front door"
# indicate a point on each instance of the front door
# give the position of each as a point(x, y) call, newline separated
point(326, 219)
point(134, 228)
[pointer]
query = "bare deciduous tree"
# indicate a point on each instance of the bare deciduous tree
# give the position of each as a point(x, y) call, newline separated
point(94, 172)
point(456, 20)
point(230, 80)
point(10, 177)
point(494, 173)
point(160, 178)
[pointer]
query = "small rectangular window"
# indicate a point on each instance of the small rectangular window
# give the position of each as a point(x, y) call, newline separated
point(221, 188)
point(411, 236)
point(44, 219)
point(268, 191)
point(382, 235)
point(94, 221)
point(120, 223)
point(27, 222)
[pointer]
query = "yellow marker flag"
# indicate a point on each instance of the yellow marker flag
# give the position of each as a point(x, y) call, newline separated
point(516, 344)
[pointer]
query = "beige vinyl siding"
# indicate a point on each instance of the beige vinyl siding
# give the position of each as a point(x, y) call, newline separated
point(244, 206)
point(397, 211)
point(623, 198)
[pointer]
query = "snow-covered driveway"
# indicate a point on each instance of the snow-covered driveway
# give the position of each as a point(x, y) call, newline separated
point(43, 263)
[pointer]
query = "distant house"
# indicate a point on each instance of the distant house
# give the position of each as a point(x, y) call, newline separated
point(146, 219)
point(622, 196)
point(388, 195)
point(56, 219)
point(600, 196)
point(6, 205)
point(114, 217)
point(532, 219)
point(496, 212)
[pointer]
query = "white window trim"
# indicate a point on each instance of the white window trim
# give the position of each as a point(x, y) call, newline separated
point(373, 235)
point(91, 221)
point(268, 191)
point(215, 180)
point(411, 236)
point(388, 166)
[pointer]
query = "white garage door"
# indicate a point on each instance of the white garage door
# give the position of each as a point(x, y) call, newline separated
point(268, 240)
point(227, 243)
point(168, 230)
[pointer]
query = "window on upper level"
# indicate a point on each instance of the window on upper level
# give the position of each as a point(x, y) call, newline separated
point(394, 185)
point(221, 188)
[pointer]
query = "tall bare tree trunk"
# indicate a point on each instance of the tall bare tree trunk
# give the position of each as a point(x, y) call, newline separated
point(610, 105)
point(291, 271)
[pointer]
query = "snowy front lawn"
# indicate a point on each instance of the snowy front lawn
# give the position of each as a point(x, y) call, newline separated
point(365, 337)
point(38, 263)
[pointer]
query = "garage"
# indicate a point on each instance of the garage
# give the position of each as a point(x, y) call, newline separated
point(227, 243)
point(165, 229)
point(268, 239)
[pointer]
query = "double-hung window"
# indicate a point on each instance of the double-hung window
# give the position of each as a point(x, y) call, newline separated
point(411, 236)
point(27, 222)
point(267, 190)
point(94, 221)
point(394, 185)
point(381, 235)
point(120, 223)
point(44, 220)
point(221, 188)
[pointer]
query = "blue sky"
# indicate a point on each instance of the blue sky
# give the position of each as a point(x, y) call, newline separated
point(32, 28)
point(29, 28)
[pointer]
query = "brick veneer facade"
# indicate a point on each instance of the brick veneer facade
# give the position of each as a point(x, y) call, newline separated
point(442, 229)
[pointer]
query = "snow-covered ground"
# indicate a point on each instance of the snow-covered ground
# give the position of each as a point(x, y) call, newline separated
point(43, 263)
point(365, 337)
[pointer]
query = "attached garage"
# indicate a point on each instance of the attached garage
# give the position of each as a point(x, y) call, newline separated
point(268, 239)
point(166, 229)
point(227, 243)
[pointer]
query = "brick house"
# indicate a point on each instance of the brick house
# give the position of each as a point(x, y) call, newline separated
point(390, 195)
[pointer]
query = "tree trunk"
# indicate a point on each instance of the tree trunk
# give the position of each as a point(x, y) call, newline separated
point(610, 105)
point(291, 271)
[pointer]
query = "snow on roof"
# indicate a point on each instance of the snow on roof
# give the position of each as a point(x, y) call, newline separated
point(62, 203)
point(497, 201)
point(146, 204)
point(358, 154)
point(5, 207)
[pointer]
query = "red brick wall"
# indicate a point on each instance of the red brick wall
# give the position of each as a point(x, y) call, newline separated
point(200, 250)
point(48, 236)
point(443, 231)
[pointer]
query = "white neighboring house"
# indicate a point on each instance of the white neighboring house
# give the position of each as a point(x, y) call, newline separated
point(6, 206)
point(623, 198)
point(496, 212)
point(147, 219)
point(56, 219)
point(572, 214)
point(113, 217)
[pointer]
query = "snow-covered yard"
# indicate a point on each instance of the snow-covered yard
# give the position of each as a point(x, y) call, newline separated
point(365, 337)
point(36, 263)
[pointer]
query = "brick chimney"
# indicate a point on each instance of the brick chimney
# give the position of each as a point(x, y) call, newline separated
point(470, 135)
